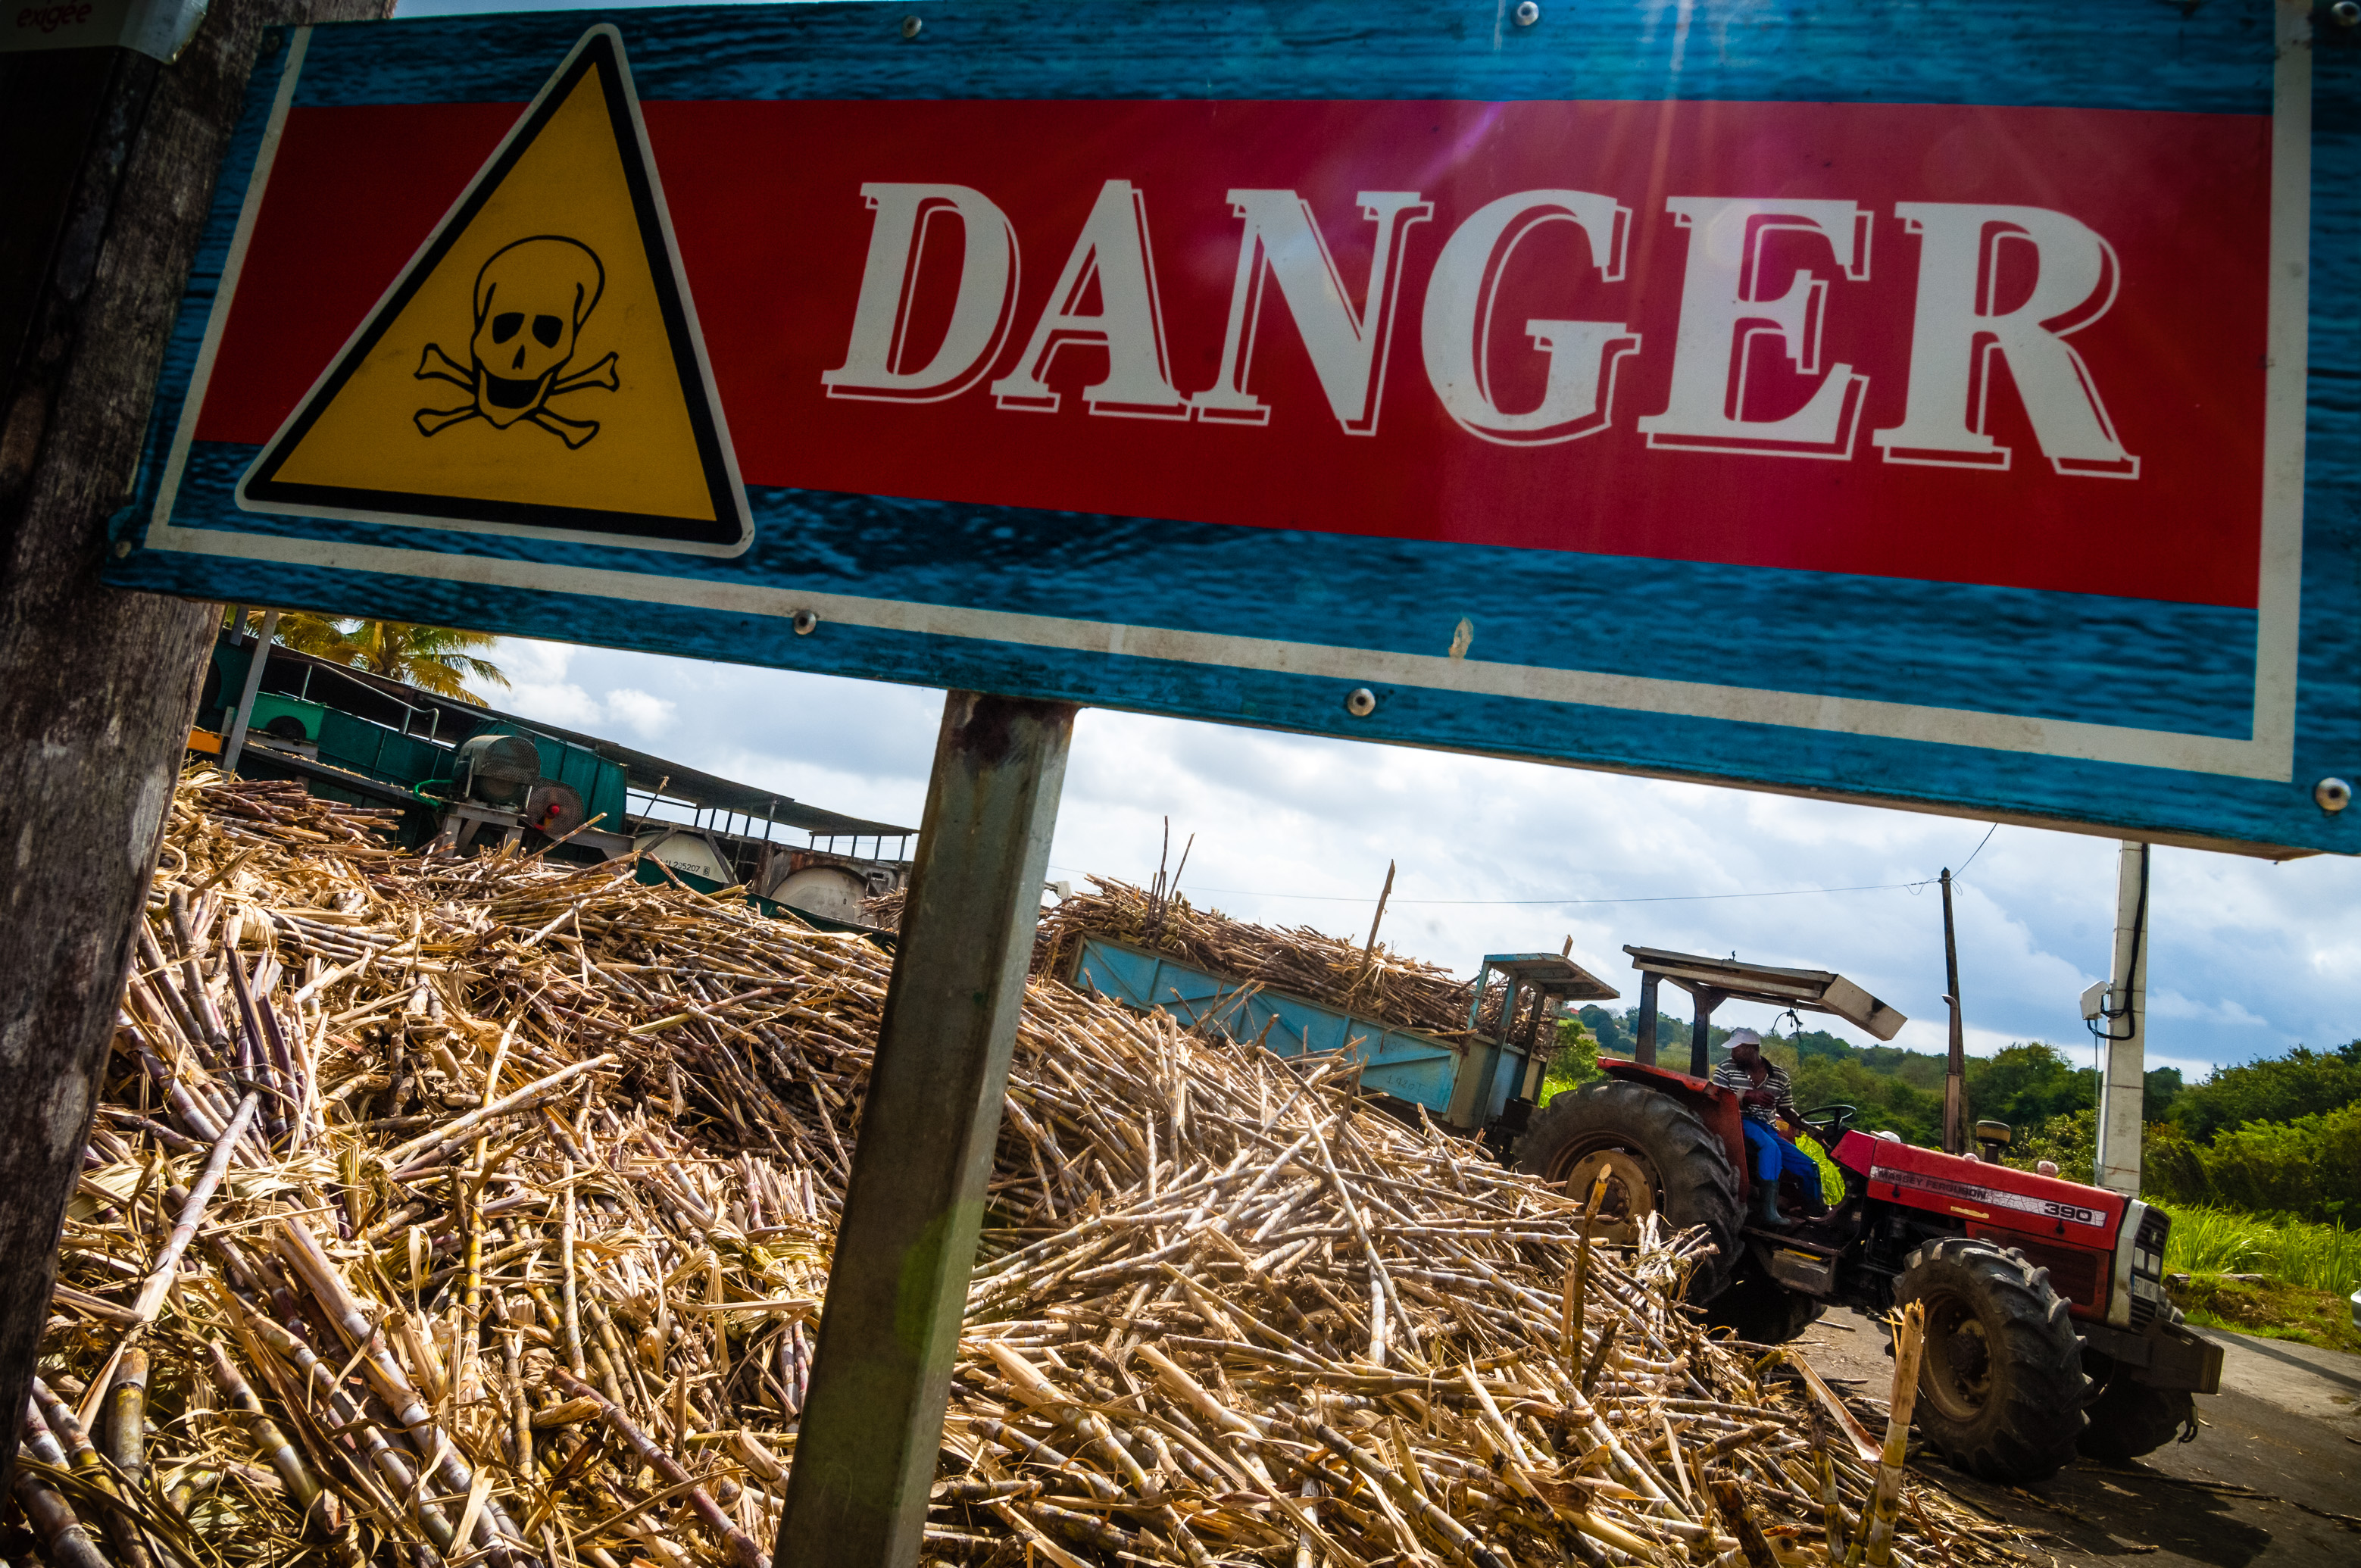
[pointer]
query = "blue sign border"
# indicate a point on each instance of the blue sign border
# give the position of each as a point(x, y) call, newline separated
point(1084, 608)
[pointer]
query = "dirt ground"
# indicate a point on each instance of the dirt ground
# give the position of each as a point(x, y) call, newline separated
point(2273, 1479)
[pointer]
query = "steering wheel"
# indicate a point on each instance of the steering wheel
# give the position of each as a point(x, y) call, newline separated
point(1839, 1117)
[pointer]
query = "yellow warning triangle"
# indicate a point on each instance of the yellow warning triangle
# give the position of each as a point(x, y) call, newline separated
point(537, 368)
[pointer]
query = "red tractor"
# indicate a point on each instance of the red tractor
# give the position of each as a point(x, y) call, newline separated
point(2047, 1330)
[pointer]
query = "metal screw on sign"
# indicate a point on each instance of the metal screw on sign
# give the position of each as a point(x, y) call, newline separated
point(122, 549)
point(910, 25)
point(1528, 14)
point(2346, 13)
point(806, 622)
point(1362, 703)
point(2333, 794)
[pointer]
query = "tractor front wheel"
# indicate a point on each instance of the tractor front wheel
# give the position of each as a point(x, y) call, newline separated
point(2128, 1419)
point(2001, 1389)
point(1658, 1156)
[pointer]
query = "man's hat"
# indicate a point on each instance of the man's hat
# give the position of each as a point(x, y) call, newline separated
point(1747, 1036)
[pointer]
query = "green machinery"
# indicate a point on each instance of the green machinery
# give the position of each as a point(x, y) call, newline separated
point(462, 774)
point(351, 738)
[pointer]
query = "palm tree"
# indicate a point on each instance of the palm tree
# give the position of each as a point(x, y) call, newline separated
point(437, 659)
point(298, 628)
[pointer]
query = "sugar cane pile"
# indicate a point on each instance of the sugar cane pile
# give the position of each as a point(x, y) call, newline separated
point(443, 1210)
point(1373, 981)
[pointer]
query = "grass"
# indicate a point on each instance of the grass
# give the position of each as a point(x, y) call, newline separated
point(2270, 1309)
point(2292, 1252)
point(2308, 1272)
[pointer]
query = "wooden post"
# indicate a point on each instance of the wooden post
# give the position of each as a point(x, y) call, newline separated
point(873, 1423)
point(106, 184)
point(1369, 950)
point(1643, 1045)
point(1954, 1077)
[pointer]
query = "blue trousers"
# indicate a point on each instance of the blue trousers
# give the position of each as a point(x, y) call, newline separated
point(1774, 1157)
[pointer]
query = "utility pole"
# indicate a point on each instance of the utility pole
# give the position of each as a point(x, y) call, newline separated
point(2123, 1078)
point(1954, 1077)
point(108, 174)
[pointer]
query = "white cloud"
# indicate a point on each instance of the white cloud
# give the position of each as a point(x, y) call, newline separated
point(650, 716)
point(539, 687)
point(2248, 957)
point(2225, 1012)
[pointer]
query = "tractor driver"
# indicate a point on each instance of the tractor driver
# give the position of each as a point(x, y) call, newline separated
point(1766, 1097)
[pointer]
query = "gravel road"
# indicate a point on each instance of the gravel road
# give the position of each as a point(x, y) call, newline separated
point(2273, 1479)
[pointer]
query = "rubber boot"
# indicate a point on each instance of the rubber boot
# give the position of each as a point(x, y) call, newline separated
point(1766, 1207)
point(1808, 1197)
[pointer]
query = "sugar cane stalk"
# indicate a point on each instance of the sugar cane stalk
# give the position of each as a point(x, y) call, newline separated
point(1876, 1547)
point(168, 1261)
point(63, 1539)
point(1578, 1279)
point(741, 1548)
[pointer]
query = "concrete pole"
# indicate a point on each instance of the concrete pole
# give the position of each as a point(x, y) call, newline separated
point(1955, 1075)
point(2123, 1086)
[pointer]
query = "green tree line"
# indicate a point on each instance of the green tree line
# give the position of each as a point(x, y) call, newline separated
point(2279, 1135)
point(1897, 1090)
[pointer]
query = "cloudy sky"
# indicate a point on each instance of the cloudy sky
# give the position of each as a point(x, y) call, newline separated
point(2249, 957)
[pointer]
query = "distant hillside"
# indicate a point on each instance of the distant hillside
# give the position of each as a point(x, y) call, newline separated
point(2277, 1135)
point(1898, 1089)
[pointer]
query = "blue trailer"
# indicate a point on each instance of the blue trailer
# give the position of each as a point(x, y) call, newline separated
point(1469, 1081)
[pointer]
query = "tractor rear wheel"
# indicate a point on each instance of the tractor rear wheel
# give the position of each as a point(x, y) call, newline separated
point(1659, 1157)
point(2128, 1418)
point(2001, 1390)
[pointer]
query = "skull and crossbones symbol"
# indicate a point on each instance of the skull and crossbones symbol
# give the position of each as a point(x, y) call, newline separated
point(532, 299)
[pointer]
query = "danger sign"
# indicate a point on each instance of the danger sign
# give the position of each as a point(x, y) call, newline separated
point(1945, 435)
point(556, 281)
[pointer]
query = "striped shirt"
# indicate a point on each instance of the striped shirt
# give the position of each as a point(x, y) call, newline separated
point(1730, 1075)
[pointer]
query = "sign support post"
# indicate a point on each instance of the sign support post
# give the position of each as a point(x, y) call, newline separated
point(897, 1288)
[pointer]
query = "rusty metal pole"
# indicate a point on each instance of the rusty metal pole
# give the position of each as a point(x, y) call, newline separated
point(258, 656)
point(898, 1289)
point(1643, 1038)
point(1955, 1076)
point(1701, 1032)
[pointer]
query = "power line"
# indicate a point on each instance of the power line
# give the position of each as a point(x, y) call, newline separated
point(1550, 902)
point(1977, 850)
point(1582, 902)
